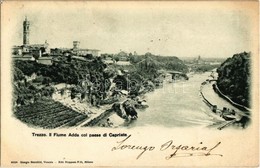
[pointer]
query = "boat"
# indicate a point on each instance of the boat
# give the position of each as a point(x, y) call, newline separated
point(229, 117)
point(141, 105)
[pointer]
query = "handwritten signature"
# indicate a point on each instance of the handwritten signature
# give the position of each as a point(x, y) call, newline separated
point(177, 150)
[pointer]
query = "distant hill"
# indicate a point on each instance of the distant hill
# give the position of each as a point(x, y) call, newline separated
point(234, 78)
point(160, 62)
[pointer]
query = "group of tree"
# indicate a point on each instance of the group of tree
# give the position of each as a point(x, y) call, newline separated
point(26, 92)
point(203, 67)
point(234, 78)
point(160, 62)
point(70, 72)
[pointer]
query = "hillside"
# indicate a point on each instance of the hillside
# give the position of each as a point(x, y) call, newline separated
point(234, 78)
point(160, 62)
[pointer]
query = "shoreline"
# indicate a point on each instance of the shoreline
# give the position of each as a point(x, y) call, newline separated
point(84, 107)
point(236, 118)
point(96, 120)
point(96, 116)
point(107, 116)
point(241, 107)
point(210, 105)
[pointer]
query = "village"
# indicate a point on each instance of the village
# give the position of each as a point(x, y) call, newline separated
point(79, 87)
point(90, 83)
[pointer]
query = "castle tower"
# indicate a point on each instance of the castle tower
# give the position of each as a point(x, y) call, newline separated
point(26, 31)
point(76, 44)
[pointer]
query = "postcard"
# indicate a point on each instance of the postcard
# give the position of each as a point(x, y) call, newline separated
point(129, 83)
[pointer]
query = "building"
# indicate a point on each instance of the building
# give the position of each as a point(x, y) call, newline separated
point(198, 60)
point(60, 51)
point(76, 44)
point(30, 78)
point(35, 50)
point(42, 50)
point(45, 60)
point(83, 52)
point(122, 56)
point(24, 58)
point(26, 31)
point(17, 50)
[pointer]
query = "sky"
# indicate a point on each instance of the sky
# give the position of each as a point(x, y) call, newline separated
point(168, 30)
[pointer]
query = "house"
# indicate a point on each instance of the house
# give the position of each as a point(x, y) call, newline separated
point(45, 60)
point(17, 50)
point(60, 51)
point(26, 57)
point(61, 87)
point(83, 52)
point(32, 77)
point(123, 56)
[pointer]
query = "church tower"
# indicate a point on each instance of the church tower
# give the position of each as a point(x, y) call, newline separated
point(26, 31)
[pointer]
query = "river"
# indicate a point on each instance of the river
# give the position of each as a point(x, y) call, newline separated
point(178, 104)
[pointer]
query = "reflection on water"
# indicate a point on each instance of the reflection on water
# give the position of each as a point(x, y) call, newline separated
point(176, 104)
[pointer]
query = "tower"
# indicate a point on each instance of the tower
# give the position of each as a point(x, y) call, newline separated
point(26, 31)
point(76, 44)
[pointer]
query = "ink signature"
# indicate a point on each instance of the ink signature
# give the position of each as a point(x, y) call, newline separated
point(177, 150)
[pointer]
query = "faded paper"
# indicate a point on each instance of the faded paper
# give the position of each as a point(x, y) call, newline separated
point(55, 21)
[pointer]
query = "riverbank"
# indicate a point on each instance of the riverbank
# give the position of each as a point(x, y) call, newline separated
point(217, 90)
point(221, 109)
point(173, 105)
point(83, 107)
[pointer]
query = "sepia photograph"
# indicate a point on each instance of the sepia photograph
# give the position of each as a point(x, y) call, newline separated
point(132, 73)
point(129, 67)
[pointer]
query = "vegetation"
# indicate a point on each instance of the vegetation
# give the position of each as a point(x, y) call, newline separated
point(70, 71)
point(18, 74)
point(204, 67)
point(89, 78)
point(159, 62)
point(49, 114)
point(234, 78)
point(64, 71)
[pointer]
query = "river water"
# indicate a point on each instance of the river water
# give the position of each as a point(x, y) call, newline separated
point(178, 104)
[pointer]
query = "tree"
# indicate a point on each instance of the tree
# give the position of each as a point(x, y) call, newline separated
point(116, 58)
point(15, 52)
point(148, 54)
point(234, 78)
point(89, 56)
point(32, 87)
point(43, 49)
point(47, 91)
point(69, 58)
point(104, 56)
point(18, 74)
point(20, 100)
point(46, 81)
